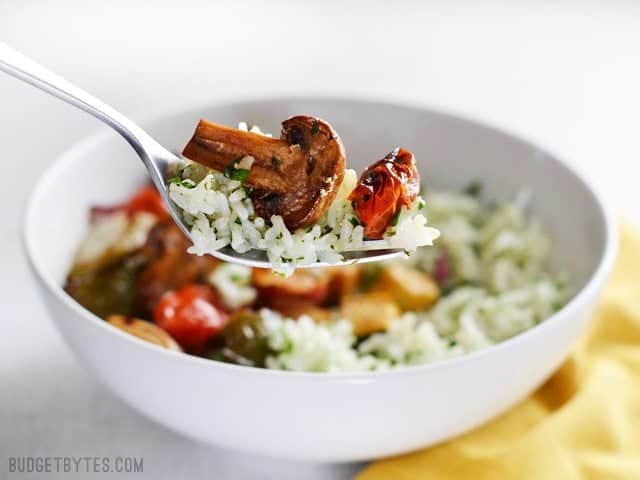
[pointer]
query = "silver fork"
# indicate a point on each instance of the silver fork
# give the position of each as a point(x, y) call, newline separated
point(154, 156)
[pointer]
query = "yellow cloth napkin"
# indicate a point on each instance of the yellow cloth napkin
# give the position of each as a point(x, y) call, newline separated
point(584, 423)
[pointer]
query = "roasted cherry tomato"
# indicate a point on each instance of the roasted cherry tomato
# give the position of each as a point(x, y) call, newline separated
point(147, 199)
point(383, 189)
point(190, 315)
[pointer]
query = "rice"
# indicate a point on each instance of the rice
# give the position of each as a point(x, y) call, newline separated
point(218, 209)
point(499, 286)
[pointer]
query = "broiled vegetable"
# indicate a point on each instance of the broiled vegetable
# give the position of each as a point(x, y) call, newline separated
point(342, 281)
point(190, 315)
point(409, 288)
point(296, 176)
point(144, 330)
point(147, 199)
point(170, 267)
point(369, 312)
point(108, 289)
point(383, 189)
point(292, 296)
point(245, 339)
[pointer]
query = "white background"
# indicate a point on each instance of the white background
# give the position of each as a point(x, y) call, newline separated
point(565, 74)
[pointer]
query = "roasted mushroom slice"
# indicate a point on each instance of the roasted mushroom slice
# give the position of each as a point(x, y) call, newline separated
point(296, 176)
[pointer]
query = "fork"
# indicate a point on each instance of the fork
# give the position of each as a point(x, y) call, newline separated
point(156, 158)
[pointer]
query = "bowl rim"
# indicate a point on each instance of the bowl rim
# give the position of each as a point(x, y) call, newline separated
point(104, 134)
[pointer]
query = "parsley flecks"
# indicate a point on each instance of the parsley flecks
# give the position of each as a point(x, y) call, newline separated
point(396, 217)
point(474, 189)
point(186, 183)
point(275, 161)
point(421, 204)
point(315, 127)
point(233, 173)
point(238, 221)
point(354, 221)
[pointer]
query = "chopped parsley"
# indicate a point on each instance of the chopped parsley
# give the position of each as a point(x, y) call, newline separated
point(315, 127)
point(238, 221)
point(421, 204)
point(233, 173)
point(474, 189)
point(186, 183)
point(275, 161)
point(354, 221)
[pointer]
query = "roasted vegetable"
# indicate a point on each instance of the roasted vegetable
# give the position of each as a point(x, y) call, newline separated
point(296, 176)
point(170, 267)
point(110, 288)
point(147, 199)
point(343, 281)
point(294, 295)
point(409, 288)
point(144, 330)
point(191, 315)
point(369, 312)
point(383, 189)
point(245, 340)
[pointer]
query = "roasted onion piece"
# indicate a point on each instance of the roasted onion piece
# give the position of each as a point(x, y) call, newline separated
point(383, 189)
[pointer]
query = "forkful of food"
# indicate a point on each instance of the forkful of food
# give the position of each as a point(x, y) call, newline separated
point(278, 203)
point(293, 200)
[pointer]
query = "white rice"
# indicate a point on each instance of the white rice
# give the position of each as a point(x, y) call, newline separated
point(220, 213)
point(233, 282)
point(499, 251)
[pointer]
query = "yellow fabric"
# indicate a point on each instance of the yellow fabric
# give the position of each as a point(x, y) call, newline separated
point(584, 423)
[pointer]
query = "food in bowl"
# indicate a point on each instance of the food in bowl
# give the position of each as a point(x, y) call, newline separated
point(293, 197)
point(187, 393)
point(486, 279)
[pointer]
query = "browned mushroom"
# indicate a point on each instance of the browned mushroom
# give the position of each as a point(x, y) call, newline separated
point(296, 176)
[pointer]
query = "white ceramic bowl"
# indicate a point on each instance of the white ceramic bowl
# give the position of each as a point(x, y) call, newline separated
point(327, 417)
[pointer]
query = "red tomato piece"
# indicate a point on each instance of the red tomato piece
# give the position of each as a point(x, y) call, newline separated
point(383, 189)
point(190, 315)
point(147, 199)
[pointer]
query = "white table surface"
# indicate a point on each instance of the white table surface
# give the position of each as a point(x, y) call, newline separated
point(566, 76)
